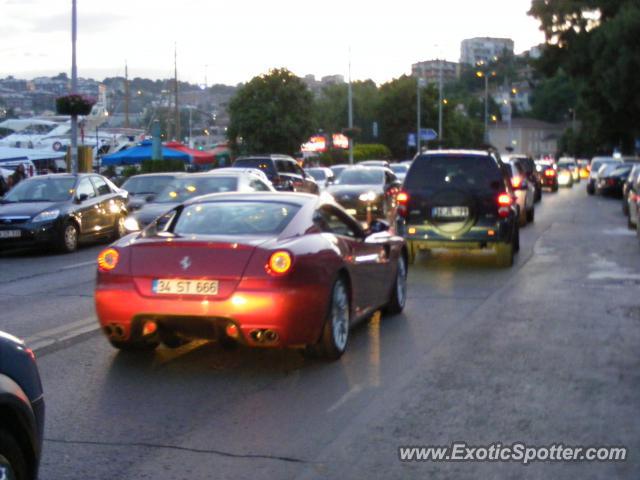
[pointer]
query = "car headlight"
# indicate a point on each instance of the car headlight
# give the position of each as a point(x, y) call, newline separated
point(131, 224)
point(46, 216)
point(367, 196)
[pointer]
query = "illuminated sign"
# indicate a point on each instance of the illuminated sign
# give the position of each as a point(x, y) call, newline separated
point(315, 144)
point(340, 141)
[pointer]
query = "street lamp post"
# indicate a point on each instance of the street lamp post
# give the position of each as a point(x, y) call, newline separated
point(440, 101)
point(420, 85)
point(74, 88)
point(485, 75)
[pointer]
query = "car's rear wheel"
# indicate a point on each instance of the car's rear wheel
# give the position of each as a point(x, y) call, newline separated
point(590, 188)
point(68, 239)
point(522, 217)
point(554, 188)
point(13, 464)
point(504, 254)
point(399, 292)
point(335, 333)
point(531, 215)
point(119, 229)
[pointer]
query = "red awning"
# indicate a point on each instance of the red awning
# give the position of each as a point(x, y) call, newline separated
point(199, 157)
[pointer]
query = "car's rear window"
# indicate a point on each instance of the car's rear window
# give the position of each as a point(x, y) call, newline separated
point(141, 185)
point(266, 165)
point(454, 171)
point(235, 218)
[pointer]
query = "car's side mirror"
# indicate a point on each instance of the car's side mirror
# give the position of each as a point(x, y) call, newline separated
point(82, 197)
point(377, 226)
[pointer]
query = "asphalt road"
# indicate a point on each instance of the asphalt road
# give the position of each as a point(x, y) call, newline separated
point(546, 352)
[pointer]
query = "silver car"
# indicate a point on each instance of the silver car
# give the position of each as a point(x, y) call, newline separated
point(524, 191)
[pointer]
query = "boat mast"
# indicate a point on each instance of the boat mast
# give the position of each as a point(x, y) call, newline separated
point(175, 92)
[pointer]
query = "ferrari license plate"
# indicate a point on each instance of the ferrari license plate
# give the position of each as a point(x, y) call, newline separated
point(10, 233)
point(163, 286)
point(450, 212)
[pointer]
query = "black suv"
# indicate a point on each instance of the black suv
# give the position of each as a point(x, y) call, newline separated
point(282, 170)
point(460, 199)
point(21, 410)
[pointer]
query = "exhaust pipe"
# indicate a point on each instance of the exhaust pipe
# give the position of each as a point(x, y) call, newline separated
point(264, 336)
point(270, 336)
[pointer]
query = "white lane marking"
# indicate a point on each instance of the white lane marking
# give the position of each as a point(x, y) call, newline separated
point(60, 334)
point(621, 231)
point(614, 276)
point(344, 398)
point(78, 265)
point(609, 270)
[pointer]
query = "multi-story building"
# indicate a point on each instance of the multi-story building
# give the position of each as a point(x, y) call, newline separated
point(484, 49)
point(526, 135)
point(430, 70)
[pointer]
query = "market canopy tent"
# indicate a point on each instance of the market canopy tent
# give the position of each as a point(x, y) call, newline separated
point(198, 157)
point(142, 152)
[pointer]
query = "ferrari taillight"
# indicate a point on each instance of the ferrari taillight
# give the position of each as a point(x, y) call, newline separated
point(108, 259)
point(504, 202)
point(279, 263)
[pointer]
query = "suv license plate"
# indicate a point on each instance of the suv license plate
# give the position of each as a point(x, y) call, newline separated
point(450, 212)
point(162, 286)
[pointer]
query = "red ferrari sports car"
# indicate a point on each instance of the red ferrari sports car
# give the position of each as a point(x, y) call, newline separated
point(263, 269)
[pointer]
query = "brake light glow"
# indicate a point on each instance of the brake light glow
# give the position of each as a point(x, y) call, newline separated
point(108, 259)
point(516, 182)
point(549, 172)
point(279, 263)
point(403, 199)
point(504, 202)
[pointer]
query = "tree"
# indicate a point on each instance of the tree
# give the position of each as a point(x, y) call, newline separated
point(554, 97)
point(596, 42)
point(271, 113)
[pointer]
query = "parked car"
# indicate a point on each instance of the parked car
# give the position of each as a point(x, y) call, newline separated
point(633, 204)
point(629, 187)
point(62, 210)
point(524, 191)
point(596, 163)
point(611, 178)
point(400, 170)
point(144, 187)
point(283, 172)
point(21, 411)
point(286, 270)
point(188, 186)
point(548, 175)
point(366, 193)
point(572, 166)
point(531, 173)
point(460, 199)
point(322, 175)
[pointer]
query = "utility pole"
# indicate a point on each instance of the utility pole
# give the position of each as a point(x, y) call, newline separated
point(126, 95)
point(74, 87)
point(350, 100)
point(420, 84)
point(440, 100)
point(175, 92)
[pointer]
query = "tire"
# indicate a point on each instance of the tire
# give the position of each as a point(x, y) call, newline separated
point(522, 218)
point(504, 255)
point(399, 292)
point(554, 189)
point(134, 346)
point(68, 240)
point(12, 458)
point(538, 195)
point(531, 215)
point(516, 240)
point(118, 229)
point(590, 188)
point(625, 207)
point(630, 225)
point(335, 332)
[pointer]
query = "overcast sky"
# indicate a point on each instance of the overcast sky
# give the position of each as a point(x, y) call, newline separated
point(233, 41)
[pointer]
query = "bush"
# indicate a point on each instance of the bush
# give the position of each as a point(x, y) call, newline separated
point(155, 166)
point(363, 151)
point(74, 105)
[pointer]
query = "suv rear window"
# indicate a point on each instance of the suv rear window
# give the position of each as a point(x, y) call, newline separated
point(458, 171)
point(264, 164)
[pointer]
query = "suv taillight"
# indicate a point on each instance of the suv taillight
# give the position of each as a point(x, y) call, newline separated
point(550, 172)
point(403, 199)
point(504, 204)
point(516, 182)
